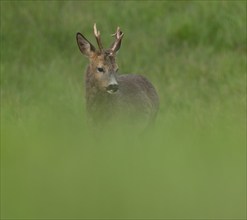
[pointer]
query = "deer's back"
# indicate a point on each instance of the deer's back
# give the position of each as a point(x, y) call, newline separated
point(136, 90)
point(136, 99)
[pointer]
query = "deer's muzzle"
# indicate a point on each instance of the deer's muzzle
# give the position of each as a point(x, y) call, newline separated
point(113, 85)
point(112, 88)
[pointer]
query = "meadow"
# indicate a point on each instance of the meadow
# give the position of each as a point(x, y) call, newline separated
point(191, 165)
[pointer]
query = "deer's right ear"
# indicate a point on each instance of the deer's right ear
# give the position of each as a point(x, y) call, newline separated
point(84, 45)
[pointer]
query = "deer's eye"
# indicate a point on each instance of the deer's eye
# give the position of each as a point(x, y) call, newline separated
point(100, 69)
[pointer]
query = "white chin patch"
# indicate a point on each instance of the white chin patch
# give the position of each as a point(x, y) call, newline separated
point(110, 91)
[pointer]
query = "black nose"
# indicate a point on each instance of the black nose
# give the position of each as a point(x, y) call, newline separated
point(112, 88)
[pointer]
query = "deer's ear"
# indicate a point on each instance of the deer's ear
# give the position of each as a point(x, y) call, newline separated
point(84, 45)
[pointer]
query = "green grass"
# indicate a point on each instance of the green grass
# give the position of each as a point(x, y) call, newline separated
point(192, 165)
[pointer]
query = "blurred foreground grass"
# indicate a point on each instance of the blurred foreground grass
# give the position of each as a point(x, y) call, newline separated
point(192, 165)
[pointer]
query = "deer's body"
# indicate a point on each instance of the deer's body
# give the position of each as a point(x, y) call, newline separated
point(111, 96)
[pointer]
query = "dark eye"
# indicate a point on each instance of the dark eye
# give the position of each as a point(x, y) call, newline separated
point(100, 69)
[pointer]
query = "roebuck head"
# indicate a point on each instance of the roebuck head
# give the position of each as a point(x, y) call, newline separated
point(102, 68)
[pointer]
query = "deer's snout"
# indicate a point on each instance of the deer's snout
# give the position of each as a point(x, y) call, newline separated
point(113, 85)
point(112, 88)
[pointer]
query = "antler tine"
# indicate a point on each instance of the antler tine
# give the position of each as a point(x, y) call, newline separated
point(97, 36)
point(118, 37)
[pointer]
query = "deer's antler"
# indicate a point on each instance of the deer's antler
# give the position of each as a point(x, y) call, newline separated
point(117, 43)
point(97, 36)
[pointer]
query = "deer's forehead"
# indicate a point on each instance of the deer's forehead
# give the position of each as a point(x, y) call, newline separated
point(104, 59)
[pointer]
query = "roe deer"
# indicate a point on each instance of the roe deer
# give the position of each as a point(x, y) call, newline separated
point(111, 96)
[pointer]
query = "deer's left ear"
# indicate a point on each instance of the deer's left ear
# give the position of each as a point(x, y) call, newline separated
point(84, 45)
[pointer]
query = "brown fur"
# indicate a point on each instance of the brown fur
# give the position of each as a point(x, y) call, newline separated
point(135, 100)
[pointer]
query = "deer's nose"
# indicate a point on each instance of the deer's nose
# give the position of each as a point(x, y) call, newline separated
point(112, 88)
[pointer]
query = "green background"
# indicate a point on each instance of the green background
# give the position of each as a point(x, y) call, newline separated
point(191, 165)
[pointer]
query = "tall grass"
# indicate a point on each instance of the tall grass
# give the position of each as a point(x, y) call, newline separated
point(192, 165)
